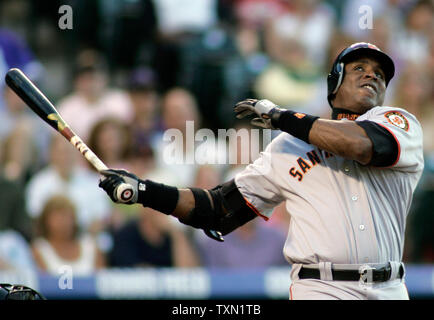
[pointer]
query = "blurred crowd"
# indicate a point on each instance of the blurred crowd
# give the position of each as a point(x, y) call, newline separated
point(128, 70)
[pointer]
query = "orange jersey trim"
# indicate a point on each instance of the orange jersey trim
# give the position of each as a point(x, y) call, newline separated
point(251, 206)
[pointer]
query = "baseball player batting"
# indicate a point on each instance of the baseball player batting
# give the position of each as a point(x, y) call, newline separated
point(347, 184)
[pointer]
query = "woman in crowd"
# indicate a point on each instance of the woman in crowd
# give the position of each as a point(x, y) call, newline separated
point(60, 243)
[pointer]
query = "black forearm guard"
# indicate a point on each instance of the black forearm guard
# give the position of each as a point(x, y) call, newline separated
point(158, 196)
point(226, 212)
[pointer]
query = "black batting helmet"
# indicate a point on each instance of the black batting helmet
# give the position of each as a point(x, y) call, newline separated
point(336, 75)
point(18, 292)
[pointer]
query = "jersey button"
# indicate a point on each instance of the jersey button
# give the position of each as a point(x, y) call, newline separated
point(354, 198)
point(362, 227)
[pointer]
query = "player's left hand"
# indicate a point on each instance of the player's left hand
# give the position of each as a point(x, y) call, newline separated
point(113, 182)
point(261, 108)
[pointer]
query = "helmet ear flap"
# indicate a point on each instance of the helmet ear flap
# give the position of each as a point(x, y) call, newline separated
point(334, 80)
point(340, 75)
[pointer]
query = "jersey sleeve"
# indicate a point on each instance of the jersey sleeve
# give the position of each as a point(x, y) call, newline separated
point(407, 133)
point(258, 186)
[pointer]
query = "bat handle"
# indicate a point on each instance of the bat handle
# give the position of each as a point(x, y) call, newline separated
point(125, 192)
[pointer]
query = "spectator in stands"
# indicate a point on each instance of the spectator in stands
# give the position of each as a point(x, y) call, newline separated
point(16, 114)
point(420, 244)
point(207, 177)
point(381, 34)
point(60, 242)
point(338, 42)
point(146, 122)
point(110, 140)
point(297, 43)
point(181, 119)
point(129, 32)
point(310, 22)
point(231, 70)
point(293, 79)
point(411, 43)
point(152, 240)
point(413, 94)
point(244, 248)
point(64, 176)
point(13, 209)
point(15, 252)
point(357, 12)
point(178, 25)
point(92, 99)
point(430, 65)
point(19, 154)
point(257, 13)
point(430, 61)
point(15, 53)
point(144, 162)
point(203, 61)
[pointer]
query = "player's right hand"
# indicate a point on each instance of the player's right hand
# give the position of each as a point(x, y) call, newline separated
point(121, 185)
point(261, 108)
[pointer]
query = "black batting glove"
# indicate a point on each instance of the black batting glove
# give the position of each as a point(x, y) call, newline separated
point(122, 186)
point(109, 184)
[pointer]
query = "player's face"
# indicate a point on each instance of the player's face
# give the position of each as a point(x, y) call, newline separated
point(363, 87)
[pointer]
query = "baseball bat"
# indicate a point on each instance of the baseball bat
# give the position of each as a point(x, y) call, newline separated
point(40, 104)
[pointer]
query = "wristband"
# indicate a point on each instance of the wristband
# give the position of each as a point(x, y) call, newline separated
point(295, 123)
point(158, 196)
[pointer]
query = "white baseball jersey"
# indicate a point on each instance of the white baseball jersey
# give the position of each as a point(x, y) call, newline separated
point(341, 211)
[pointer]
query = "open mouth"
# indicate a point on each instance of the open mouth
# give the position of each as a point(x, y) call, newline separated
point(370, 88)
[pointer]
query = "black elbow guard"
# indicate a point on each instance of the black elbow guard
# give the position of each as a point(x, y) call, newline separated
point(385, 148)
point(223, 210)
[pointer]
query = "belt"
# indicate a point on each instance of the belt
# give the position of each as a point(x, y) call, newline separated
point(366, 274)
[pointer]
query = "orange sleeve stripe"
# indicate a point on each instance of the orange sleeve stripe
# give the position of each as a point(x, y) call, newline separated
point(397, 141)
point(251, 206)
